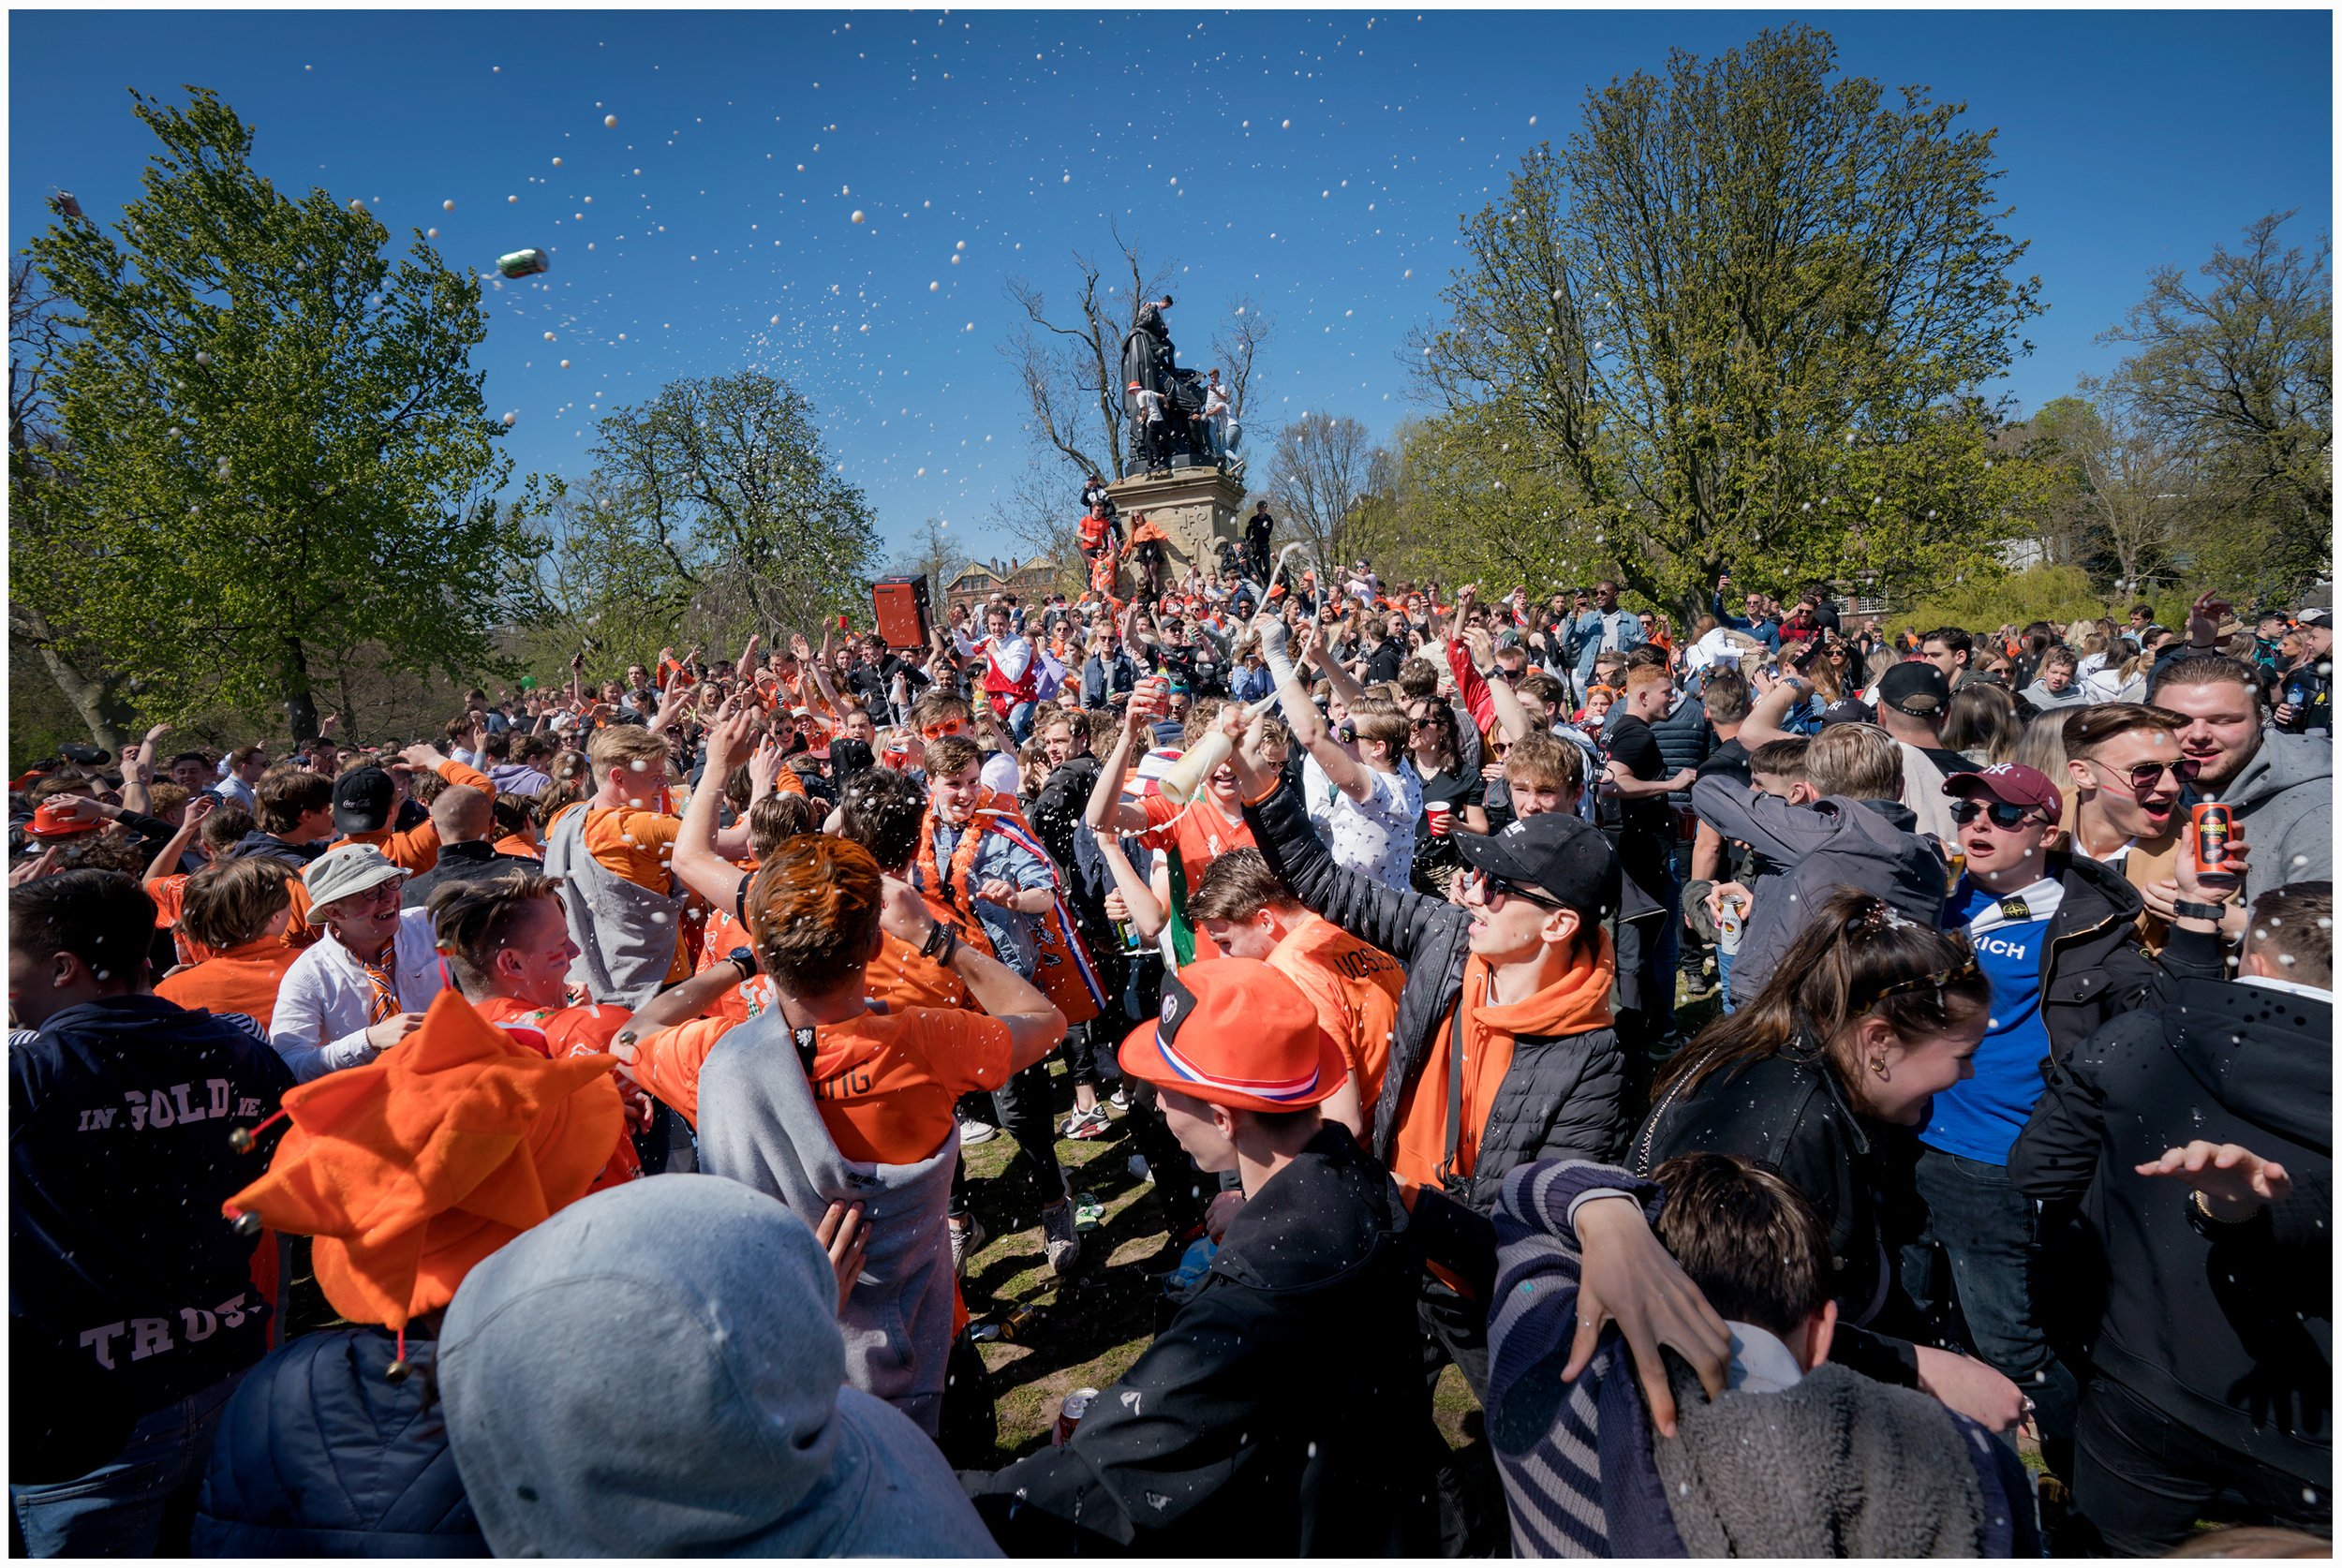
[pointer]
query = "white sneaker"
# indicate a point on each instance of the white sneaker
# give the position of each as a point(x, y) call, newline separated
point(1120, 1098)
point(975, 1132)
point(967, 1241)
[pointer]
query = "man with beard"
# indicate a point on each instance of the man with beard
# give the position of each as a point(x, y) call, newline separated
point(2277, 785)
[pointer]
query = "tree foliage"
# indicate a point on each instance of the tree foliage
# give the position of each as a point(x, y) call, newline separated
point(268, 442)
point(714, 510)
point(1320, 475)
point(1742, 315)
point(2238, 372)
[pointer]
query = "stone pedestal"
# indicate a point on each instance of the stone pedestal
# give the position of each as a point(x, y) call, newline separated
point(1197, 507)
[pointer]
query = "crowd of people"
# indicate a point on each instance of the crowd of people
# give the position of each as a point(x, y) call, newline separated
point(1826, 1090)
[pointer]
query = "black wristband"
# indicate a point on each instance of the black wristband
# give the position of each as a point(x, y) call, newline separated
point(950, 948)
point(2188, 909)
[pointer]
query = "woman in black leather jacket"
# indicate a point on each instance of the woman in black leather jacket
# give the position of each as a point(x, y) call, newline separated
point(1824, 1078)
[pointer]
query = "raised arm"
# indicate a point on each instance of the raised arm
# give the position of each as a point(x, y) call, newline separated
point(1107, 810)
point(1766, 721)
point(1139, 897)
point(1398, 923)
point(1035, 1024)
point(697, 863)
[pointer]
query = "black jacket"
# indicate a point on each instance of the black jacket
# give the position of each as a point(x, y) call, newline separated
point(1563, 1097)
point(128, 1288)
point(1787, 1113)
point(267, 846)
point(317, 1454)
point(463, 863)
point(2228, 1329)
point(2092, 968)
point(1283, 1412)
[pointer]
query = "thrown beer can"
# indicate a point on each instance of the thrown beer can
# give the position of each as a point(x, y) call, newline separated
point(522, 263)
point(1070, 1412)
point(66, 205)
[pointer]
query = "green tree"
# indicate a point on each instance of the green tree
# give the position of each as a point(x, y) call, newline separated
point(1318, 480)
point(269, 443)
point(1741, 317)
point(726, 480)
point(2131, 487)
point(2238, 373)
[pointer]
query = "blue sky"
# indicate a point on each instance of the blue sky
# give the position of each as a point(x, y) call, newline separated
point(1314, 163)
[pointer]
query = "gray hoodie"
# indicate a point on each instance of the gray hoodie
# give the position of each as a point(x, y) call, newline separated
point(656, 1371)
point(1813, 851)
point(2281, 798)
point(759, 1124)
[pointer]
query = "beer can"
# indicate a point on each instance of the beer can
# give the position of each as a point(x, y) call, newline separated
point(1732, 923)
point(1070, 1412)
point(2210, 826)
point(522, 263)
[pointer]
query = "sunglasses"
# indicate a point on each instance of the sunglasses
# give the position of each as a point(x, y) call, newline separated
point(936, 731)
point(2145, 775)
point(1493, 887)
point(2003, 814)
point(1424, 723)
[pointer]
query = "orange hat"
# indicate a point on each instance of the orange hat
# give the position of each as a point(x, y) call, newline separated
point(1237, 1034)
point(51, 821)
point(414, 1167)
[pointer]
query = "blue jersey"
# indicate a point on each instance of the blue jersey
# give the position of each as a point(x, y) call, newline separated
point(1982, 1116)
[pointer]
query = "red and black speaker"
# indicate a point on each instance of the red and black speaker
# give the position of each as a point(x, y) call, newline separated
point(901, 606)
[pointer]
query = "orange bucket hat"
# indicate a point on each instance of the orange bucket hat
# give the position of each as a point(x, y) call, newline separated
point(414, 1167)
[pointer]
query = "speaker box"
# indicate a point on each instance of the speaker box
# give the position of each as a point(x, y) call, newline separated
point(901, 606)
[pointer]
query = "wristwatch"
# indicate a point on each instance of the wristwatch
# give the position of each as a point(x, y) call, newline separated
point(744, 960)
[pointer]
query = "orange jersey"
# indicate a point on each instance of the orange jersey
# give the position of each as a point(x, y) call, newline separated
point(170, 895)
point(1199, 835)
point(636, 844)
point(1355, 989)
point(241, 980)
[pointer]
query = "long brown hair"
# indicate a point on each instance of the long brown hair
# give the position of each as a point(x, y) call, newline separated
point(1855, 957)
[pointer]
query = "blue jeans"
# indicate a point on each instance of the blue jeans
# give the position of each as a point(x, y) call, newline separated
point(1020, 721)
point(1724, 976)
point(118, 1509)
point(1991, 1233)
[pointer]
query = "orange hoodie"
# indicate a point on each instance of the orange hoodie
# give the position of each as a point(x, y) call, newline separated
point(417, 850)
point(1579, 1000)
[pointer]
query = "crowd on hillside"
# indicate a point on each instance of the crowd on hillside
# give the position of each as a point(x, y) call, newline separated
point(1830, 1090)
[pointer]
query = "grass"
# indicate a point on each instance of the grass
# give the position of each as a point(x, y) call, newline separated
point(1092, 1327)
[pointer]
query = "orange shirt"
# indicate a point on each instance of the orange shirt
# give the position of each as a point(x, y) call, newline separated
point(1355, 989)
point(1199, 835)
point(169, 895)
point(241, 980)
point(637, 845)
point(514, 844)
point(886, 1082)
point(417, 850)
point(1579, 1000)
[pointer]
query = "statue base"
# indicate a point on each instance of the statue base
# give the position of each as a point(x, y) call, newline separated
point(1197, 507)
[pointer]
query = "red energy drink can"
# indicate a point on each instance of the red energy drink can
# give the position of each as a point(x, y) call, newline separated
point(2211, 825)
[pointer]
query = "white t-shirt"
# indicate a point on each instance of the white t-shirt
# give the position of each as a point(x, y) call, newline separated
point(1374, 838)
point(1000, 772)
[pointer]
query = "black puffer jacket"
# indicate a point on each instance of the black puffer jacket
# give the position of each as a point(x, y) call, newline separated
point(1562, 1096)
point(1786, 1111)
point(2092, 968)
point(1282, 1413)
point(320, 1455)
point(2228, 1329)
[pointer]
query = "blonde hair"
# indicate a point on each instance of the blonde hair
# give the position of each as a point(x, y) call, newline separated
point(1860, 761)
point(623, 745)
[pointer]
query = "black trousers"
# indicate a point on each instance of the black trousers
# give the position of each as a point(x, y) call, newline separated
point(1022, 1107)
point(2142, 1479)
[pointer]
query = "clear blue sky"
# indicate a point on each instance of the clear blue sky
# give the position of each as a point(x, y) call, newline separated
point(1317, 164)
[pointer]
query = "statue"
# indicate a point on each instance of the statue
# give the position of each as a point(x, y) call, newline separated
point(1173, 413)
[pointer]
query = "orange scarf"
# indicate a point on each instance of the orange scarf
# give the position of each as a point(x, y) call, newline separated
point(951, 894)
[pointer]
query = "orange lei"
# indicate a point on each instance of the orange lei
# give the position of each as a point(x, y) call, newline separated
point(951, 896)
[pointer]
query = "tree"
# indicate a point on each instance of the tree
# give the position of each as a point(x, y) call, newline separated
point(2133, 488)
point(934, 556)
point(2240, 374)
point(726, 483)
point(1317, 482)
point(269, 443)
point(1072, 370)
point(1742, 316)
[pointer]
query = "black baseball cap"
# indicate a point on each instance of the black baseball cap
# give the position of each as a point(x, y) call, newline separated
point(362, 799)
point(1555, 853)
point(1916, 687)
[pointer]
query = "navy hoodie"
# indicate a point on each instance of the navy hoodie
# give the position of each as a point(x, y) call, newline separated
point(127, 1288)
